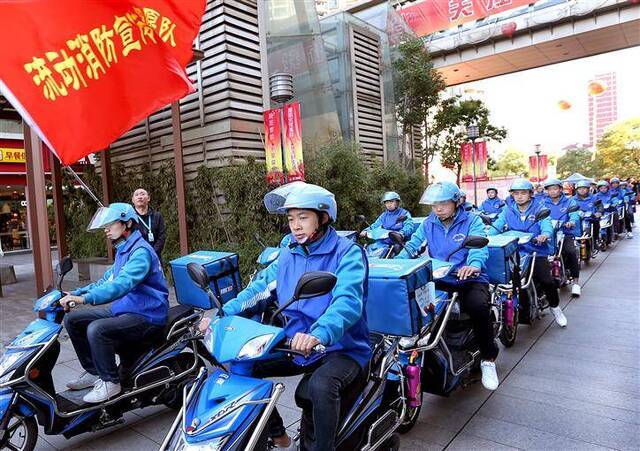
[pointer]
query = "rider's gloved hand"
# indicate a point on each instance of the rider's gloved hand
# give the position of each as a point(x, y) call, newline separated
point(304, 343)
point(64, 302)
point(467, 272)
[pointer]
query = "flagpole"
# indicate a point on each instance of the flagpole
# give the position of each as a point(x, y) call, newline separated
point(84, 186)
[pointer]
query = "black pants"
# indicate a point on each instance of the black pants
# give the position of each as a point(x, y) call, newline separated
point(475, 300)
point(95, 333)
point(570, 256)
point(329, 379)
point(542, 276)
point(628, 219)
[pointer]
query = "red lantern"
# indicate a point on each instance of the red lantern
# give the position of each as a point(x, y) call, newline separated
point(596, 88)
point(564, 105)
point(509, 29)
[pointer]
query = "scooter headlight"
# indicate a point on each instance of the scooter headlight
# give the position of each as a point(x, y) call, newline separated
point(212, 445)
point(255, 347)
point(440, 272)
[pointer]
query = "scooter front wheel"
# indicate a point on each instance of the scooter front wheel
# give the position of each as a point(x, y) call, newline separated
point(410, 417)
point(21, 433)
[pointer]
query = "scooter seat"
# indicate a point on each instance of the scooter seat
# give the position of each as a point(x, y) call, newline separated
point(130, 353)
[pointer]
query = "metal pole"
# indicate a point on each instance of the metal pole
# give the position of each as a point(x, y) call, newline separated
point(179, 168)
point(473, 157)
point(538, 165)
point(37, 210)
point(84, 185)
point(58, 206)
point(105, 176)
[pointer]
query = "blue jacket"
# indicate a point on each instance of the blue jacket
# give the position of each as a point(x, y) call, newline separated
point(337, 319)
point(442, 241)
point(135, 283)
point(558, 212)
point(510, 218)
point(616, 193)
point(607, 198)
point(490, 206)
point(388, 221)
point(586, 204)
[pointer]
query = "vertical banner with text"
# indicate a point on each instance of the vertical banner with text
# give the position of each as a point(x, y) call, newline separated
point(534, 170)
point(481, 160)
point(273, 147)
point(466, 155)
point(293, 158)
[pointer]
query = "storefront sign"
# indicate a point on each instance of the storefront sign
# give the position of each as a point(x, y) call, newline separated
point(9, 155)
point(430, 16)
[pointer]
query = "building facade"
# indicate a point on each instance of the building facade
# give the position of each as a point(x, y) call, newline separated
point(603, 108)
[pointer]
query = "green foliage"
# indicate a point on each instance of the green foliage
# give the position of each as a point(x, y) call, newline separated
point(619, 150)
point(511, 162)
point(576, 159)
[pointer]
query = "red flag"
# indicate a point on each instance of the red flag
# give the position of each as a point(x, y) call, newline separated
point(83, 72)
point(293, 158)
point(273, 147)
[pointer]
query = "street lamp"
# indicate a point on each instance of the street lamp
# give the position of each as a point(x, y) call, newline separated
point(473, 132)
point(537, 151)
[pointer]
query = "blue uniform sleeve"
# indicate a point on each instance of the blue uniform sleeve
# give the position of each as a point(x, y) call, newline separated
point(105, 277)
point(546, 226)
point(575, 216)
point(256, 291)
point(131, 274)
point(347, 304)
point(478, 257)
point(407, 226)
point(414, 243)
point(499, 223)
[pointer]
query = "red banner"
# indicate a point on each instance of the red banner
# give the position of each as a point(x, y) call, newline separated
point(466, 158)
point(81, 75)
point(430, 16)
point(273, 147)
point(533, 168)
point(293, 158)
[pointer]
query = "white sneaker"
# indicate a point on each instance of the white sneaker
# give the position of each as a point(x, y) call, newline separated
point(102, 391)
point(629, 235)
point(559, 316)
point(576, 290)
point(489, 375)
point(85, 380)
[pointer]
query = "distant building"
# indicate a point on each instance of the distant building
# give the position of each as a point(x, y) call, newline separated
point(603, 108)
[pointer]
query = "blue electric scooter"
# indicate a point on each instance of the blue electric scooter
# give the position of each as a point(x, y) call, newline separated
point(152, 372)
point(227, 410)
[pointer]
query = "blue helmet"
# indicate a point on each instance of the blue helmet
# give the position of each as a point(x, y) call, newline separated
point(603, 183)
point(615, 180)
point(583, 184)
point(301, 195)
point(552, 182)
point(623, 183)
point(463, 194)
point(492, 188)
point(521, 184)
point(105, 216)
point(390, 195)
point(440, 192)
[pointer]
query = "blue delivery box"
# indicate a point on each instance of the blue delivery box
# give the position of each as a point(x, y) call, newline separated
point(502, 250)
point(224, 276)
point(398, 292)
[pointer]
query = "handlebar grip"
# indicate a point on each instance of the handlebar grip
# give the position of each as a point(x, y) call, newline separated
point(71, 304)
point(319, 349)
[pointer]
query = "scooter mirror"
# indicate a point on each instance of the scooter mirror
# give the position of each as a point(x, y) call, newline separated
point(314, 283)
point(468, 207)
point(475, 242)
point(401, 219)
point(486, 220)
point(396, 237)
point(573, 209)
point(361, 218)
point(199, 275)
point(64, 266)
point(543, 214)
point(598, 203)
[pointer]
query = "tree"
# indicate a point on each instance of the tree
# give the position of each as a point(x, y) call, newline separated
point(618, 151)
point(417, 92)
point(511, 162)
point(452, 120)
point(576, 159)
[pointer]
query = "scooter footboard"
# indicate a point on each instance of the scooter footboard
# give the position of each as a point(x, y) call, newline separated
point(225, 409)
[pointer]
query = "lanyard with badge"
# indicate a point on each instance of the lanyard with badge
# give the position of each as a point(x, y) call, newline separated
point(150, 237)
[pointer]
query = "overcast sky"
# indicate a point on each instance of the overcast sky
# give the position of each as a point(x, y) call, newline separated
point(526, 103)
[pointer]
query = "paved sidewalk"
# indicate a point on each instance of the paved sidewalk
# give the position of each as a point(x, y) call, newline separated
point(573, 388)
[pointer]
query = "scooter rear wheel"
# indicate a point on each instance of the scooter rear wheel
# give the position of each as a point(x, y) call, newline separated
point(508, 334)
point(24, 429)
